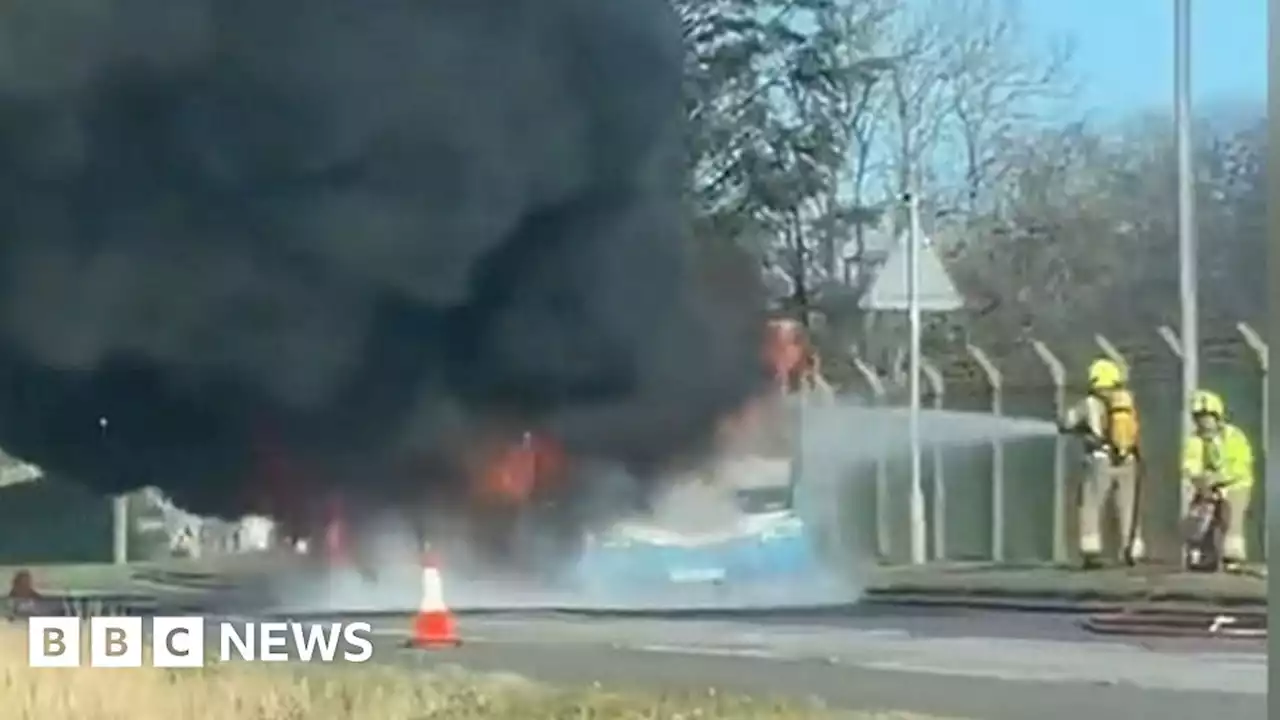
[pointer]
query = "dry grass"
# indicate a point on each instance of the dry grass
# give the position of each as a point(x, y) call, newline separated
point(370, 692)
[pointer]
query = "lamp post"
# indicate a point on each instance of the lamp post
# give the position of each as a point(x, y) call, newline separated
point(917, 514)
point(1187, 240)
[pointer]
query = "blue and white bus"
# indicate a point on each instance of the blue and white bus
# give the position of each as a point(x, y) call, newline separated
point(765, 543)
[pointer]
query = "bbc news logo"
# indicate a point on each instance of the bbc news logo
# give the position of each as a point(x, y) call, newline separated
point(181, 642)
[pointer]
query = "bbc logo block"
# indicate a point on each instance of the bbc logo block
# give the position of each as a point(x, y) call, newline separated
point(179, 642)
point(53, 642)
point(176, 642)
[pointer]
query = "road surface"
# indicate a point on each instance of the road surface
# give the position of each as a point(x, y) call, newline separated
point(986, 666)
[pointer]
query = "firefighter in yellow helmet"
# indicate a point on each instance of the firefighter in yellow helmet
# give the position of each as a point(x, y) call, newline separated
point(1219, 457)
point(1107, 421)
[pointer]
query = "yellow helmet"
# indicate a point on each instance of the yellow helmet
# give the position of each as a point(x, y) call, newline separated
point(1105, 373)
point(1204, 402)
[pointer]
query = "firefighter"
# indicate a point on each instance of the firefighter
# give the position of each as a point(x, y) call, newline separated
point(1107, 420)
point(1219, 457)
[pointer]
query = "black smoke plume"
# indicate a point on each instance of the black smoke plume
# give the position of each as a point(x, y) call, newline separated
point(360, 232)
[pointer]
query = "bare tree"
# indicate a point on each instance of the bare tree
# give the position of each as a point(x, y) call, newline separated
point(1045, 259)
point(997, 86)
point(917, 98)
point(853, 32)
point(1089, 227)
point(1232, 162)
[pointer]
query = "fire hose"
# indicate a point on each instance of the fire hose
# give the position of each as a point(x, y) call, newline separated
point(1243, 625)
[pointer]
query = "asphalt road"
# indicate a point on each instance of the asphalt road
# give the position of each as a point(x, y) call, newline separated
point(985, 666)
point(949, 622)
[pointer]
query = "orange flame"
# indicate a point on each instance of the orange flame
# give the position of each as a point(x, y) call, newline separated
point(511, 473)
point(786, 350)
point(515, 472)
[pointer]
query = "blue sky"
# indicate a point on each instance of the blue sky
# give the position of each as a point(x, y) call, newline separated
point(1124, 49)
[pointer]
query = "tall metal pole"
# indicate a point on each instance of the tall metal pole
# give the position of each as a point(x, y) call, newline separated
point(1187, 241)
point(120, 529)
point(119, 507)
point(918, 530)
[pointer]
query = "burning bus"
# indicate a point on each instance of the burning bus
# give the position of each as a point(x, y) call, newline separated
point(520, 517)
point(761, 541)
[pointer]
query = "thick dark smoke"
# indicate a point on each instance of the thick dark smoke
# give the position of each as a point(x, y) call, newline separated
point(362, 232)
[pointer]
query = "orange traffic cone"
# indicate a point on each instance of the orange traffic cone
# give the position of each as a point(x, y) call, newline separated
point(434, 627)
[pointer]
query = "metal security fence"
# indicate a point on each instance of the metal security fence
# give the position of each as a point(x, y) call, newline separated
point(53, 521)
point(1015, 500)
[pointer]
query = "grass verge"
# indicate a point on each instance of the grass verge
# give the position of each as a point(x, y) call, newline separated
point(370, 692)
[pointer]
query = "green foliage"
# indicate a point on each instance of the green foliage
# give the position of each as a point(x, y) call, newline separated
point(765, 84)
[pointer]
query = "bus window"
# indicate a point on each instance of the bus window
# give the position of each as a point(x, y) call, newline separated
point(764, 500)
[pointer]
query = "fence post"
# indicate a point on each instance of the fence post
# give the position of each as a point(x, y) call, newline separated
point(1058, 373)
point(1171, 341)
point(938, 389)
point(1111, 352)
point(1174, 344)
point(996, 381)
point(120, 529)
point(1262, 350)
point(883, 544)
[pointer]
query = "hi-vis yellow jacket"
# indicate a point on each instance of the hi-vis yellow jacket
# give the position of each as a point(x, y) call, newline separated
point(1227, 454)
